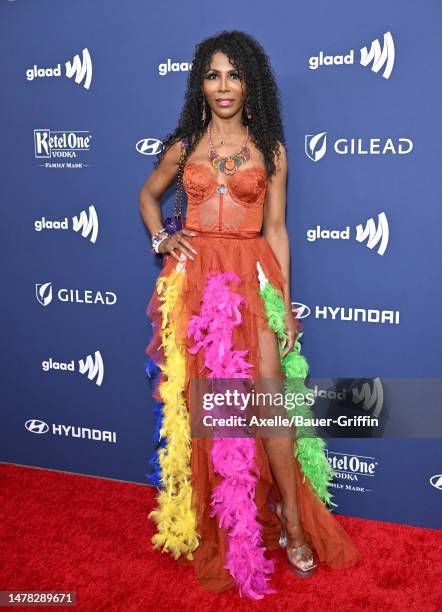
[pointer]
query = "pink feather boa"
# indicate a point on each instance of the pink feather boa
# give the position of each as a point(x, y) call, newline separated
point(232, 458)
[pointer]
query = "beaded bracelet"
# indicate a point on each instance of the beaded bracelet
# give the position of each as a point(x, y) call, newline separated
point(157, 238)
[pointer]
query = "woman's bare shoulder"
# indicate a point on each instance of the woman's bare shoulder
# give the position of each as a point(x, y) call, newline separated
point(172, 155)
point(165, 172)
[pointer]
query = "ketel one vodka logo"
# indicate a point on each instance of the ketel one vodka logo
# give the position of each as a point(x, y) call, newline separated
point(61, 148)
point(92, 367)
point(315, 146)
point(86, 224)
point(79, 69)
point(376, 57)
point(45, 295)
point(349, 470)
point(375, 235)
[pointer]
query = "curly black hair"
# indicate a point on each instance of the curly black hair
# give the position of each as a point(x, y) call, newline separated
point(253, 65)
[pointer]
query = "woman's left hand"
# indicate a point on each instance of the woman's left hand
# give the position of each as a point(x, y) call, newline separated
point(291, 332)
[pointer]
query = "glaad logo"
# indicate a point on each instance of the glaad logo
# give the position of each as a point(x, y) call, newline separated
point(170, 66)
point(91, 366)
point(347, 313)
point(379, 58)
point(377, 236)
point(43, 293)
point(315, 146)
point(149, 146)
point(365, 398)
point(351, 468)
point(71, 431)
point(80, 69)
point(65, 144)
point(370, 400)
point(86, 224)
point(436, 481)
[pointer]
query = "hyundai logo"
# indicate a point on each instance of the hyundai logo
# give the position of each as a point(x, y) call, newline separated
point(436, 481)
point(36, 426)
point(149, 146)
point(301, 311)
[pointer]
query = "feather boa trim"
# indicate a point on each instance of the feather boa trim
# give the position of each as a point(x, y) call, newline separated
point(154, 474)
point(309, 448)
point(175, 518)
point(232, 500)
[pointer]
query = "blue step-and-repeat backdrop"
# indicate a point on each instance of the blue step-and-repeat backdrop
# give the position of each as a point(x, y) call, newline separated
point(88, 92)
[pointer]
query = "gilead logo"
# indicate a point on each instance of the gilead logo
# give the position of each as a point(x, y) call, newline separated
point(376, 56)
point(80, 69)
point(44, 295)
point(315, 146)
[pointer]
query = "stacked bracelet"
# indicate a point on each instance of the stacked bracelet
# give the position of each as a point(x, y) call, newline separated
point(157, 238)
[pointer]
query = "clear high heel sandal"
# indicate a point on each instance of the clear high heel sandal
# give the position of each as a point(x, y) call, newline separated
point(304, 568)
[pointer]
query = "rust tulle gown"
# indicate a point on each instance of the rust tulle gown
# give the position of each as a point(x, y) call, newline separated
point(227, 219)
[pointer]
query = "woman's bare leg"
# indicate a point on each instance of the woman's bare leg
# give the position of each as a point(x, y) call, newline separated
point(279, 450)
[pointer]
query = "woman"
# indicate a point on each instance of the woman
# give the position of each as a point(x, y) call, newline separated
point(222, 297)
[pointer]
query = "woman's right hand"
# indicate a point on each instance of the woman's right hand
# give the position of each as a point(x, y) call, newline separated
point(177, 242)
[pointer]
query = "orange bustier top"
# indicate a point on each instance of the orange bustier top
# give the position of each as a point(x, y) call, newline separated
point(237, 205)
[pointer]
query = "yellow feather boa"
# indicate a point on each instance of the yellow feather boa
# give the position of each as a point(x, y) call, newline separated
point(174, 516)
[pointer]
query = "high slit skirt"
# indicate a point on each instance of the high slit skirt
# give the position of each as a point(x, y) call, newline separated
point(213, 494)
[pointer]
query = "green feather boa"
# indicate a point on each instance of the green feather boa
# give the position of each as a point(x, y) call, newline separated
point(309, 448)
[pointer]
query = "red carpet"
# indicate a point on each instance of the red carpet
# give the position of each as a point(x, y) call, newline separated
point(91, 535)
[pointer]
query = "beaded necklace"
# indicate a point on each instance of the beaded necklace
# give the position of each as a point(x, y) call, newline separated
point(228, 164)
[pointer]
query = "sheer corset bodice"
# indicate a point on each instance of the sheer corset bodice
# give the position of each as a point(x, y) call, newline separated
point(237, 205)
